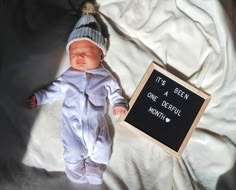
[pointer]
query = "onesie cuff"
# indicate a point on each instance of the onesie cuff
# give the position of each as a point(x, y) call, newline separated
point(126, 106)
point(37, 98)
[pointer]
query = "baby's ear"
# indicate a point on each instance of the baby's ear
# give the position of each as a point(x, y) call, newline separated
point(102, 57)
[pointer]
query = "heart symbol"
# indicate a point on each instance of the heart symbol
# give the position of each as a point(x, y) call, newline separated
point(167, 120)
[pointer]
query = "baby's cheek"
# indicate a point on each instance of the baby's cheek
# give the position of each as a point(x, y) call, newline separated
point(72, 59)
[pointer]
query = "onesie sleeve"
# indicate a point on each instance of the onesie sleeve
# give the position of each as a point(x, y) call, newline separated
point(115, 94)
point(55, 91)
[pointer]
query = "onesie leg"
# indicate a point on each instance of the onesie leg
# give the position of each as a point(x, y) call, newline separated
point(96, 164)
point(74, 156)
point(102, 149)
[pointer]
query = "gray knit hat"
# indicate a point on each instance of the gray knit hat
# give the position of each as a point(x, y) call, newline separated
point(87, 28)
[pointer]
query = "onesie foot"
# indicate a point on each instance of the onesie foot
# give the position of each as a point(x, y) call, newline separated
point(94, 179)
point(94, 172)
point(75, 178)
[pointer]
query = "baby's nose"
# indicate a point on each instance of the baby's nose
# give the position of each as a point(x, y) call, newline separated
point(80, 56)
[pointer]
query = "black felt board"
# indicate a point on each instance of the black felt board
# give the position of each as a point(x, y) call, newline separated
point(165, 109)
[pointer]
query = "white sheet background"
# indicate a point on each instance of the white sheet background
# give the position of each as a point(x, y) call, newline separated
point(193, 40)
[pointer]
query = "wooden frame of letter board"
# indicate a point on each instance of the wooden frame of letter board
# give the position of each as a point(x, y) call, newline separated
point(206, 98)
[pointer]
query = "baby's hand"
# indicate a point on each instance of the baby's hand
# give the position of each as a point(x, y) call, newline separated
point(119, 111)
point(32, 101)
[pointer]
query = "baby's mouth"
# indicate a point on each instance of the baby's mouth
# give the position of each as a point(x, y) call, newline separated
point(80, 63)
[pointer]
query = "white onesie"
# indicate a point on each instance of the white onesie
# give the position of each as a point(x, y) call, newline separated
point(84, 130)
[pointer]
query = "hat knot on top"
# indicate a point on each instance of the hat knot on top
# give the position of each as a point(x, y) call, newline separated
point(87, 28)
point(88, 8)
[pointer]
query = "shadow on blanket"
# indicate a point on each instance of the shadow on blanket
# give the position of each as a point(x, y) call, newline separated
point(33, 37)
point(227, 180)
point(230, 7)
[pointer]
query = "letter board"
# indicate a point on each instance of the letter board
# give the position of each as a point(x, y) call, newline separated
point(165, 109)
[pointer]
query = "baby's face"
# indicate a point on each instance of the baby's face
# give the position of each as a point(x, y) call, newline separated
point(84, 55)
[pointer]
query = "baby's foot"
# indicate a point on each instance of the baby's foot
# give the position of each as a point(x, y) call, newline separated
point(94, 179)
point(94, 172)
point(76, 177)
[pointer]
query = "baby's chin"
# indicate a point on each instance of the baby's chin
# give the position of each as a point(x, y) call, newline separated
point(82, 68)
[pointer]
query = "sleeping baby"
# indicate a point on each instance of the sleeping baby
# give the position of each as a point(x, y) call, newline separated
point(85, 88)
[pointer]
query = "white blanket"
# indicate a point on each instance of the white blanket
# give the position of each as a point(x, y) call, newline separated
point(193, 39)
